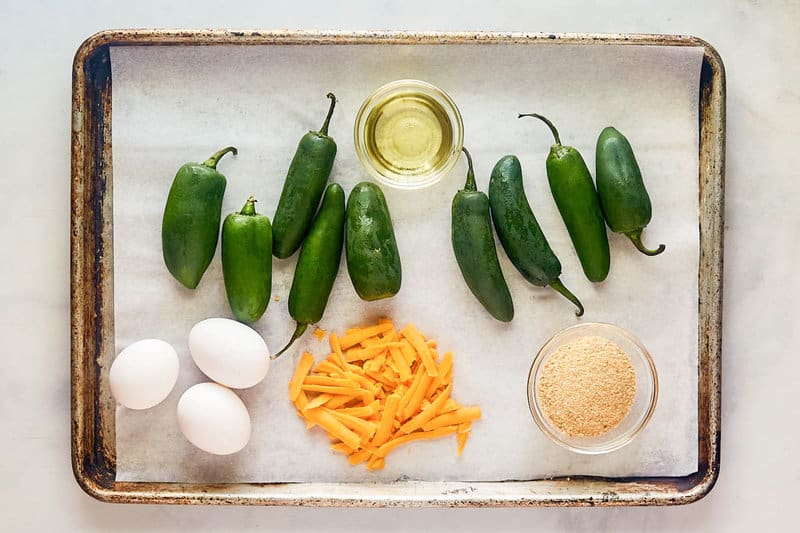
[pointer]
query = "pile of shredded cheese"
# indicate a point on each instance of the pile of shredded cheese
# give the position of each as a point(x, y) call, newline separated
point(378, 389)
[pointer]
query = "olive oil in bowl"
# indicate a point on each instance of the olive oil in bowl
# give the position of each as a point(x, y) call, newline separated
point(408, 134)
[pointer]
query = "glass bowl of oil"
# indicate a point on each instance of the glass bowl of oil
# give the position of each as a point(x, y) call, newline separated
point(408, 134)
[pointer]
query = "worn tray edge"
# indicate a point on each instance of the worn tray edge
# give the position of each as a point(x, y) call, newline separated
point(93, 462)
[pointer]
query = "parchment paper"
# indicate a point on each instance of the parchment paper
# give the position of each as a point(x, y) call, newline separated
point(178, 104)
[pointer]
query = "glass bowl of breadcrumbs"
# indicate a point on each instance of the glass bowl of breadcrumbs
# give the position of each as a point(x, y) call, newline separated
point(592, 388)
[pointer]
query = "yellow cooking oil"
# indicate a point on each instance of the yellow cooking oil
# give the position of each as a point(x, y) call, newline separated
point(408, 134)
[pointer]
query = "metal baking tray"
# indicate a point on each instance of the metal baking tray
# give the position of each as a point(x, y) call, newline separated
point(92, 327)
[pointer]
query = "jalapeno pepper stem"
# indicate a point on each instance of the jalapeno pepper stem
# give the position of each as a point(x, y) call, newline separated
point(636, 238)
point(546, 121)
point(249, 207)
point(563, 291)
point(212, 161)
point(324, 129)
point(298, 332)
point(470, 184)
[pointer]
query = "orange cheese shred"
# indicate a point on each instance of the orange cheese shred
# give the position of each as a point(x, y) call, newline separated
point(419, 435)
point(341, 447)
point(377, 363)
point(378, 389)
point(416, 339)
point(327, 380)
point(359, 457)
point(415, 403)
point(406, 399)
point(462, 440)
point(463, 414)
point(400, 363)
point(445, 368)
point(306, 362)
point(387, 418)
point(327, 367)
point(337, 357)
point(363, 427)
point(408, 352)
point(363, 381)
point(335, 389)
point(334, 427)
point(359, 335)
point(318, 400)
point(301, 401)
point(362, 411)
point(373, 350)
point(427, 413)
point(375, 463)
point(390, 375)
point(338, 401)
point(449, 405)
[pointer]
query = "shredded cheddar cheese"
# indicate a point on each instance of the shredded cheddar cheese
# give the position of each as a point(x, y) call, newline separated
point(378, 389)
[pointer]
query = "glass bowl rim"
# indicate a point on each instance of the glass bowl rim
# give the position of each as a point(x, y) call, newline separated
point(442, 98)
point(604, 447)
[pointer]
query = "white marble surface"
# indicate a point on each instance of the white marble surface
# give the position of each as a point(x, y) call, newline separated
point(760, 470)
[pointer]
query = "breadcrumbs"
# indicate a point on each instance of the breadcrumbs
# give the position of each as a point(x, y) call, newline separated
point(587, 387)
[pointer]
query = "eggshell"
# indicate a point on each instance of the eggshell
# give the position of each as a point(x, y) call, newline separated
point(144, 373)
point(214, 419)
point(229, 352)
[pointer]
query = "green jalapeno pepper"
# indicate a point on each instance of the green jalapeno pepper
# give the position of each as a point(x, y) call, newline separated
point(247, 262)
point(318, 264)
point(305, 182)
point(475, 251)
point(519, 232)
point(190, 227)
point(574, 193)
point(373, 260)
point(623, 196)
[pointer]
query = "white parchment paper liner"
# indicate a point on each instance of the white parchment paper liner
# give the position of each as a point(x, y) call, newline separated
point(178, 104)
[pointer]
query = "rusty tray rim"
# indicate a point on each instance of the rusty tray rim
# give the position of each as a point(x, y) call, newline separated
point(92, 413)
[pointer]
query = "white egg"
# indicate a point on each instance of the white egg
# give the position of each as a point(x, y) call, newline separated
point(144, 373)
point(229, 352)
point(214, 419)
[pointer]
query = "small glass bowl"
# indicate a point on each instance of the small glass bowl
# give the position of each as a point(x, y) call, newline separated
point(644, 402)
point(430, 175)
